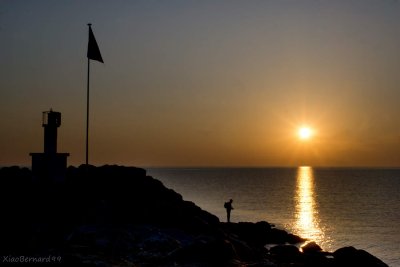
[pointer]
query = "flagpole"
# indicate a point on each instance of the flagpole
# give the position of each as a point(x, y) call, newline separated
point(87, 109)
point(87, 114)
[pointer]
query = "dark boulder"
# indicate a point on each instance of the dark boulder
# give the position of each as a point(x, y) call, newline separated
point(315, 256)
point(311, 247)
point(350, 256)
point(278, 236)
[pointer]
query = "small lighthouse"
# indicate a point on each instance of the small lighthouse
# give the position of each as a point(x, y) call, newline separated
point(50, 166)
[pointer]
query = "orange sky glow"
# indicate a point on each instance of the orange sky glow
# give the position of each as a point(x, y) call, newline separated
point(204, 83)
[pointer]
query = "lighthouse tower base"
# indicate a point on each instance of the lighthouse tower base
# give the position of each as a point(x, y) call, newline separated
point(49, 167)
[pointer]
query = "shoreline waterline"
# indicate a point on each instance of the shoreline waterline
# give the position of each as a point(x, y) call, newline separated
point(346, 202)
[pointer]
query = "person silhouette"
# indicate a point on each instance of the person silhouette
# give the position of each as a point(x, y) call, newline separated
point(229, 208)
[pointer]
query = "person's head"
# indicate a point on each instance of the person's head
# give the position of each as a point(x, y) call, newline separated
point(231, 200)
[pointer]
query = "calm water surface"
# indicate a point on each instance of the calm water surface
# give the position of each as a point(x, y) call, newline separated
point(331, 206)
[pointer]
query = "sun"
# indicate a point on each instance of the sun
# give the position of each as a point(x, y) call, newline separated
point(305, 133)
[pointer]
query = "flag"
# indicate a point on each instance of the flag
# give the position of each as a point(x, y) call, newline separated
point(93, 51)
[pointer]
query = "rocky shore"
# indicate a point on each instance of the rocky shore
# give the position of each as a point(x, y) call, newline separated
point(119, 216)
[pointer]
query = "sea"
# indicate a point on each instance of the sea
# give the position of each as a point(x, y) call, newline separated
point(335, 207)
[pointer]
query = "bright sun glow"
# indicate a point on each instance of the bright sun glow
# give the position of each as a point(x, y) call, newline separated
point(305, 133)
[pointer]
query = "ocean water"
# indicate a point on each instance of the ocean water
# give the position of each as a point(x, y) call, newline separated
point(335, 207)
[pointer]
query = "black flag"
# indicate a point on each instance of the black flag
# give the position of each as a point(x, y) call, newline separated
point(93, 51)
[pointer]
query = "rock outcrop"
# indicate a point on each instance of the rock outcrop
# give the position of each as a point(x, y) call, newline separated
point(118, 216)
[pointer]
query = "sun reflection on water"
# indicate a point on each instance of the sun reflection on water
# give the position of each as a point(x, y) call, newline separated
point(307, 223)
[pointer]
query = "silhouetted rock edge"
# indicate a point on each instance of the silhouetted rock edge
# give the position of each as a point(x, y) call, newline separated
point(115, 215)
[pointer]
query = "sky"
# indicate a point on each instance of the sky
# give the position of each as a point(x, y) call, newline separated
point(204, 83)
